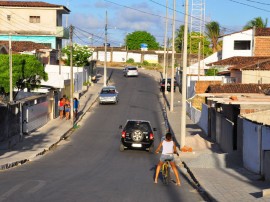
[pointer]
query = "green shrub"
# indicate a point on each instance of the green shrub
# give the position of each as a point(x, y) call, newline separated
point(130, 60)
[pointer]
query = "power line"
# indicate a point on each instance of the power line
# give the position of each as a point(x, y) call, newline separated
point(249, 5)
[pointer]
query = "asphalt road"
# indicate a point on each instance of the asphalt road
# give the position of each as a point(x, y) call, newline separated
point(89, 166)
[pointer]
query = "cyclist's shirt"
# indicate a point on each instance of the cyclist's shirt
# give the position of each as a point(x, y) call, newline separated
point(167, 147)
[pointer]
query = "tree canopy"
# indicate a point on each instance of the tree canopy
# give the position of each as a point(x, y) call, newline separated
point(193, 42)
point(213, 32)
point(27, 72)
point(256, 22)
point(80, 55)
point(135, 39)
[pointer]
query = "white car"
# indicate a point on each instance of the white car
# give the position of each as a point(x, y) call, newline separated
point(131, 71)
point(108, 94)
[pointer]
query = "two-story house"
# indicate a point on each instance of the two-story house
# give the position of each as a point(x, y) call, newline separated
point(38, 22)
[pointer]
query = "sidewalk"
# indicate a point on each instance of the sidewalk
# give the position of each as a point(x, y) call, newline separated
point(46, 137)
point(219, 175)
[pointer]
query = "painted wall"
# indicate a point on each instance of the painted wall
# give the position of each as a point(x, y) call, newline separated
point(228, 44)
point(257, 77)
point(251, 146)
point(199, 117)
point(20, 23)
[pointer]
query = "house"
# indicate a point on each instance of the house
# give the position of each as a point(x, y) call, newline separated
point(245, 70)
point(45, 54)
point(38, 22)
point(247, 43)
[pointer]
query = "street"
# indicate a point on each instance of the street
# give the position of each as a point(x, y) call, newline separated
point(88, 166)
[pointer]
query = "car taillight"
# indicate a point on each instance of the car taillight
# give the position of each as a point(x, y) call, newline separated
point(151, 136)
point(123, 134)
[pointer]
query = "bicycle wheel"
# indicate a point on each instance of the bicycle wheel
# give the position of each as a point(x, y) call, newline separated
point(165, 173)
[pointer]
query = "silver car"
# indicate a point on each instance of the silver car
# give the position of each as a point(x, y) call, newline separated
point(131, 71)
point(108, 94)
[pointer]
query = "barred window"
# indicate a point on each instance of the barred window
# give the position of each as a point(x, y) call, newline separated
point(34, 19)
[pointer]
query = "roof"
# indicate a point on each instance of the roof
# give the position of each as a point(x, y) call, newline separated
point(31, 4)
point(238, 88)
point(244, 63)
point(262, 117)
point(21, 46)
point(262, 32)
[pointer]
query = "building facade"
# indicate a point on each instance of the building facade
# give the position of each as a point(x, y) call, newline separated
point(38, 22)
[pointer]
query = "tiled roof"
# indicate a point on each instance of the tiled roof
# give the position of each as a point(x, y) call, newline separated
point(30, 4)
point(262, 32)
point(21, 46)
point(238, 88)
point(245, 63)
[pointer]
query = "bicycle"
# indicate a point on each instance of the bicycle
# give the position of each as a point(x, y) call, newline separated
point(165, 170)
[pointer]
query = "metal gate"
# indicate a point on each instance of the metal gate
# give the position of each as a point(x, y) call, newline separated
point(35, 113)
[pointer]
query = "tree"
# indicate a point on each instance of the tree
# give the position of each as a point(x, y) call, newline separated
point(213, 32)
point(27, 72)
point(135, 39)
point(256, 22)
point(193, 42)
point(80, 55)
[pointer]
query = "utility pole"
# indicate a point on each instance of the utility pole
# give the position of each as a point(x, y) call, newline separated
point(199, 60)
point(184, 81)
point(165, 40)
point(105, 59)
point(71, 74)
point(10, 70)
point(173, 49)
point(59, 58)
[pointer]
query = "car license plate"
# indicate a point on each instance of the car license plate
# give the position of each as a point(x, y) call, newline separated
point(136, 145)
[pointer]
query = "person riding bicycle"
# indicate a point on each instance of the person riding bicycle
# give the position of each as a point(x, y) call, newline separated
point(168, 149)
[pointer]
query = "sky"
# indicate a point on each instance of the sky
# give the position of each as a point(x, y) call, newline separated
point(126, 16)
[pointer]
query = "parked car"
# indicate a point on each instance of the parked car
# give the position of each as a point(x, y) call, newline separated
point(130, 71)
point(108, 94)
point(169, 82)
point(137, 134)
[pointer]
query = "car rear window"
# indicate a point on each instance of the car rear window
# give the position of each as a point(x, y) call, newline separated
point(137, 125)
point(107, 91)
point(132, 68)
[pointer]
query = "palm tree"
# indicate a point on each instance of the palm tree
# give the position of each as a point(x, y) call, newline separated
point(256, 22)
point(213, 32)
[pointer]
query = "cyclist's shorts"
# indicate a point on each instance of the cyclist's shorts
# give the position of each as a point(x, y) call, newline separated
point(165, 157)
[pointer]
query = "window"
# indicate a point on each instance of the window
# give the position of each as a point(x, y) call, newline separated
point(34, 19)
point(242, 45)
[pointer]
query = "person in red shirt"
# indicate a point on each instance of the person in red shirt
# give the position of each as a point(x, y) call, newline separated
point(61, 108)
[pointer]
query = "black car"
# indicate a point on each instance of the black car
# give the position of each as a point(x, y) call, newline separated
point(137, 134)
point(169, 81)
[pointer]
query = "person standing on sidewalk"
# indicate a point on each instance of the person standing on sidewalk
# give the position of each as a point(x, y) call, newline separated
point(168, 149)
point(75, 106)
point(67, 109)
point(61, 107)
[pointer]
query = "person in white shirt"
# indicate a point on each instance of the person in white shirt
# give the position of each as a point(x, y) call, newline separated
point(168, 149)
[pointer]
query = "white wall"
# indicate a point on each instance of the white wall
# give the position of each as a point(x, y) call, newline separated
point(251, 146)
point(193, 69)
point(228, 44)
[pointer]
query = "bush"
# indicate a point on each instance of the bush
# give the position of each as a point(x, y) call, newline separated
point(145, 62)
point(130, 60)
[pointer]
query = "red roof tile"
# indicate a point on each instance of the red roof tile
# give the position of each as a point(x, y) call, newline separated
point(262, 32)
point(238, 88)
point(244, 63)
point(30, 4)
point(21, 46)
